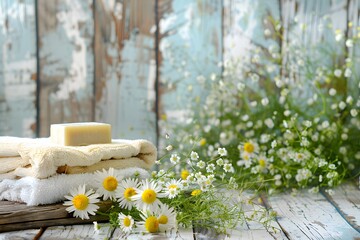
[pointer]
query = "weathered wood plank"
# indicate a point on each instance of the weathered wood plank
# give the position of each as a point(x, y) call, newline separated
point(346, 200)
point(19, 235)
point(179, 234)
point(244, 26)
point(18, 216)
point(256, 229)
point(77, 232)
point(191, 44)
point(310, 216)
point(66, 62)
point(125, 67)
point(17, 68)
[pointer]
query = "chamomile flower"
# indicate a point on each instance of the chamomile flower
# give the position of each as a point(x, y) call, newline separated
point(174, 158)
point(150, 222)
point(126, 191)
point(126, 223)
point(146, 197)
point(184, 174)
point(248, 148)
point(82, 203)
point(173, 188)
point(166, 217)
point(107, 183)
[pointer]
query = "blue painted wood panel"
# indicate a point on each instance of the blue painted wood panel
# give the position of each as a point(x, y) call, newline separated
point(17, 68)
point(125, 67)
point(66, 61)
point(191, 46)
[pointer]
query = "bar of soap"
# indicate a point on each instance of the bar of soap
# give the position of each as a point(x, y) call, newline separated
point(80, 134)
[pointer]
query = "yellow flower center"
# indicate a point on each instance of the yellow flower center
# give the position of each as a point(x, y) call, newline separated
point(127, 222)
point(148, 196)
point(128, 193)
point(110, 183)
point(196, 192)
point(262, 162)
point(184, 174)
point(152, 224)
point(80, 202)
point(173, 186)
point(163, 219)
point(202, 142)
point(249, 147)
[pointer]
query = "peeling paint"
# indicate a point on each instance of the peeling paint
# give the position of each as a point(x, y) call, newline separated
point(66, 62)
point(125, 68)
point(17, 65)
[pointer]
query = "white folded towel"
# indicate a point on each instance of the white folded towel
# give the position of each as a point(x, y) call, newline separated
point(34, 191)
point(41, 159)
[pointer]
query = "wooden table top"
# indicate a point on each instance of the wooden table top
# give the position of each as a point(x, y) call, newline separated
point(303, 216)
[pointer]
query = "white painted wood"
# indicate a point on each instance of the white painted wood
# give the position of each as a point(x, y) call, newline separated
point(76, 232)
point(180, 234)
point(18, 235)
point(255, 229)
point(310, 216)
point(346, 199)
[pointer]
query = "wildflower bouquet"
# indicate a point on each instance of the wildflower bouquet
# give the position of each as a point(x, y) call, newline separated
point(288, 115)
point(198, 198)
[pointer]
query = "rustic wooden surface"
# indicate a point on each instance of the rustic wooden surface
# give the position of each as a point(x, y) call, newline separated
point(301, 216)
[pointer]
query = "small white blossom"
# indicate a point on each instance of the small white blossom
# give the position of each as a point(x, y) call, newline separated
point(332, 166)
point(210, 168)
point(174, 159)
point(240, 86)
point(273, 144)
point(342, 105)
point(269, 123)
point(228, 167)
point(337, 73)
point(222, 152)
point(353, 112)
point(265, 101)
point(347, 73)
point(287, 113)
point(349, 100)
point(201, 164)
point(332, 92)
point(344, 136)
point(307, 123)
point(169, 148)
point(314, 190)
point(330, 192)
point(349, 43)
point(325, 124)
point(220, 162)
point(267, 32)
point(194, 156)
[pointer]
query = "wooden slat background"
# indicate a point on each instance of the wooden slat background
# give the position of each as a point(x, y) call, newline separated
point(112, 60)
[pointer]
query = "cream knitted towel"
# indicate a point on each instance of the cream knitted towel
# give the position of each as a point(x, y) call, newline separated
point(44, 159)
point(34, 191)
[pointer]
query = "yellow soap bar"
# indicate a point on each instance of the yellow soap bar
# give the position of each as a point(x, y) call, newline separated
point(80, 134)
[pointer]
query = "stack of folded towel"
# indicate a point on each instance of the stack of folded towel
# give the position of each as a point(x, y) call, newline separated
point(37, 171)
